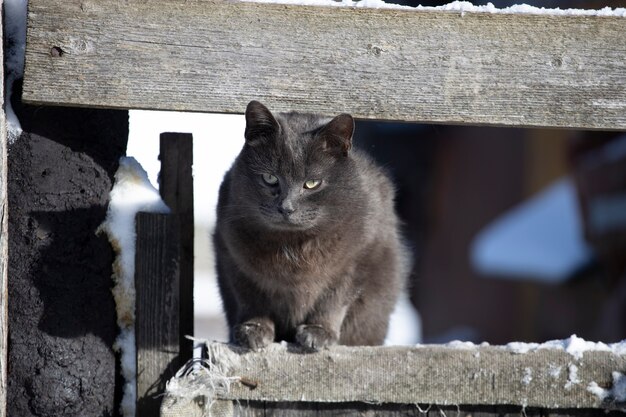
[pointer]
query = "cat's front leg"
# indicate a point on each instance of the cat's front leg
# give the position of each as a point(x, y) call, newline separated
point(315, 336)
point(323, 326)
point(255, 333)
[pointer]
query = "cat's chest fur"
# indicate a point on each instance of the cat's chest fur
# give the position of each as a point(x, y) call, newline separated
point(302, 266)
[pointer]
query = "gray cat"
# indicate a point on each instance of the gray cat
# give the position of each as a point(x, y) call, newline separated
point(307, 241)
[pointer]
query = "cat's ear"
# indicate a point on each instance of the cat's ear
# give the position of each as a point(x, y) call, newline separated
point(337, 135)
point(260, 123)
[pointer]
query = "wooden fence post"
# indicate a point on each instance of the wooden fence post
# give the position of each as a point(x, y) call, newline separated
point(157, 305)
point(176, 188)
point(164, 277)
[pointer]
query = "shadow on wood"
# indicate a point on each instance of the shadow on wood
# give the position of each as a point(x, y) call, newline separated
point(176, 188)
point(149, 403)
point(164, 277)
point(157, 306)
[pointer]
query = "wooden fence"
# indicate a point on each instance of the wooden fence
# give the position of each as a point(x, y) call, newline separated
point(164, 276)
point(421, 66)
point(395, 381)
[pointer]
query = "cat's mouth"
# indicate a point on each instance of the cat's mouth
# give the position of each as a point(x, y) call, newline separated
point(289, 224)
point(282, 222)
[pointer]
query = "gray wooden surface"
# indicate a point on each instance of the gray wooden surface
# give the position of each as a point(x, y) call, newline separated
point(425, 66)
point(4, 239)
point(545, 379)
point(176, 189)
point(157, 307)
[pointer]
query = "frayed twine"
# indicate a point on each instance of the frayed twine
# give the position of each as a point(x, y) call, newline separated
point(200, 377)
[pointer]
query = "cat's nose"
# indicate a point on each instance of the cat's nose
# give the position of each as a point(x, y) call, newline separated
point(286, 208)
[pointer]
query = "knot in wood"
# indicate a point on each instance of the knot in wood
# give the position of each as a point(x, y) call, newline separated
point(374, 50)
point(56, 52)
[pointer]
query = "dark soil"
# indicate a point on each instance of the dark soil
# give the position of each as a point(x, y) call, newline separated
point(61, 312)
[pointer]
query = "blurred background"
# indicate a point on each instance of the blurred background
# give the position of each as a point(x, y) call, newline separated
point(517, 234)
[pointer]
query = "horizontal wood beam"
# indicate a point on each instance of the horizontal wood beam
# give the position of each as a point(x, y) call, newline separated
point(387, 64)
point(429, 374)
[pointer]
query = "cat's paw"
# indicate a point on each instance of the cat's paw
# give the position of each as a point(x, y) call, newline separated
point(254, 335)
point(314, 336)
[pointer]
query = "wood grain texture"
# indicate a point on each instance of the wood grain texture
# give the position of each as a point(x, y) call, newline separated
point(423, 66)
point(176, 189)
point(494, 378)
point(157, 307)
point(4, 240)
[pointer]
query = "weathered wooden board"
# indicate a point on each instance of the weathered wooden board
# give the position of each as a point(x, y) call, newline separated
point(157, 307)
point(425, 66)
point(176, 189)
point(4, 240)
point(545, 379)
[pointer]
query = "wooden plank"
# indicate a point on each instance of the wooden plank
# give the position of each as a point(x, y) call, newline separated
point(425, 66)
point(488, 376)
point(176, 188)
point(157, 307)
point(4, 240)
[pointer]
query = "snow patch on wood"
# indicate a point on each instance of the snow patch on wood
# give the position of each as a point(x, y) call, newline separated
point(131, 194)
point(617, 393)
point(15, 33)
point(573, 345)
point(457, 7)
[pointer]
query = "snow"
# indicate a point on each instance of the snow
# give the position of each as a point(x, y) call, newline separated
point(542, 238)
point(458, 344)
point(521, 347)
point(15, 33)
point(457, 7)
point(572, 377)
point(131, 193)
point(528, 376)
point(554, 371)
point(616, 393)
point(467, 7)
point(405, 325)
point(576, 347)
point(573, 345)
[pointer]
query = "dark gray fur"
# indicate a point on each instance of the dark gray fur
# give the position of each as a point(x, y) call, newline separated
point(313, 266)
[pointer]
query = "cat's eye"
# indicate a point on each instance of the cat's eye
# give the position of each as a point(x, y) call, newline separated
point(270, 179)
point(311, 184)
